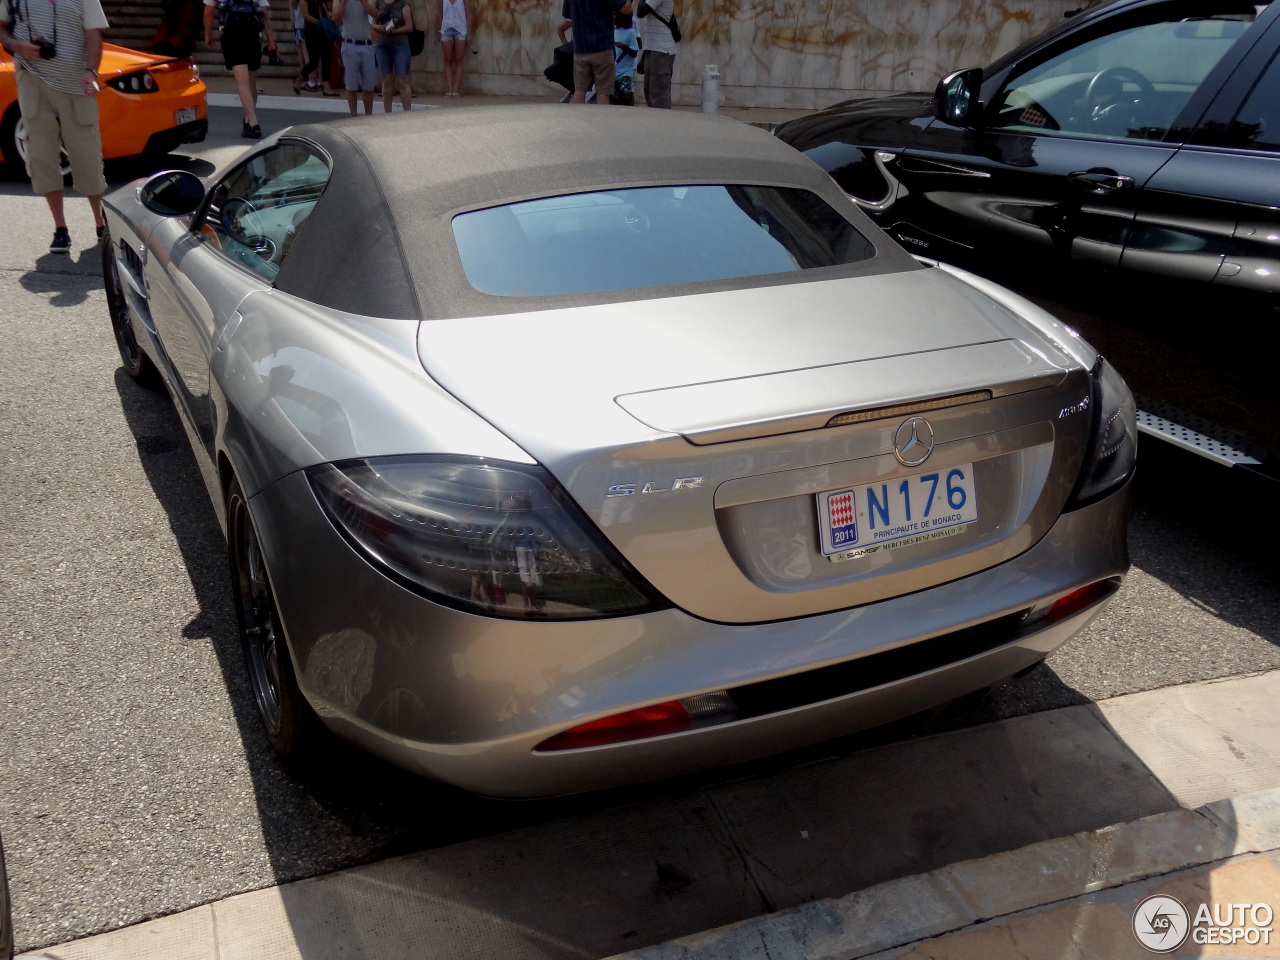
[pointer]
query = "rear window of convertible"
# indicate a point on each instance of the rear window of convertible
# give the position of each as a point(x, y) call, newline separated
point(651, 237)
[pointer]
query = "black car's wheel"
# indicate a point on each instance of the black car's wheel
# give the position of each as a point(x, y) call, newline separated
point(290, 725)
point(136, 363)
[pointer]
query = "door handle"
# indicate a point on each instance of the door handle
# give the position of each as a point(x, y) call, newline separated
point(1100, 182)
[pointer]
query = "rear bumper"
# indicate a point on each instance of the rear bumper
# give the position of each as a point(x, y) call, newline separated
point(467, 699)
point(166, 140)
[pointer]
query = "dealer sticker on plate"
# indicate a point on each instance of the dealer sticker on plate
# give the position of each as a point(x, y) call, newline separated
point(185, 115)
point(883, 516)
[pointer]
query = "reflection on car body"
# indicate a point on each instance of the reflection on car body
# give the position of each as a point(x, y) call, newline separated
point(537, 478)
point(1140, 138)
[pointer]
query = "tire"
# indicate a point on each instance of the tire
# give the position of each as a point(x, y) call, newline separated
point(13, 164)
point(136, 363)
point(292, 729)
point(13, 145)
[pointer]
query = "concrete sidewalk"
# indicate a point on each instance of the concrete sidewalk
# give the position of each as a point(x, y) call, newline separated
point(277, 93)
point(1032, 837)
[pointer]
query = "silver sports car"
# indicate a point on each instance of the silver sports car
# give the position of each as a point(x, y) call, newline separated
point(560, 448)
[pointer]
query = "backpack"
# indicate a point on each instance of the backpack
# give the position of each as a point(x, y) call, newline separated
point(239, 14)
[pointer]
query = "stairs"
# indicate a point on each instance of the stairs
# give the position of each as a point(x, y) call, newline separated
point(134, 24)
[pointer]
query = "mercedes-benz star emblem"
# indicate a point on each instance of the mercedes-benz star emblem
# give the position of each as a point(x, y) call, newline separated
point(913, 442)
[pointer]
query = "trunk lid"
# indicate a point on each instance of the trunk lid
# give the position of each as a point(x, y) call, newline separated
point(694, 430)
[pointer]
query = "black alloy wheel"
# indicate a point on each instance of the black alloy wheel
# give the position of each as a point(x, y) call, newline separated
point(136, 363)
point(290, 725)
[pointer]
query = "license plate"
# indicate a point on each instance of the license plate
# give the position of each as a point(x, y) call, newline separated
point(897, 513)
point(185, 115)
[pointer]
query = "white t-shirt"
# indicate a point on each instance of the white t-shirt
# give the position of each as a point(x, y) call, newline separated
point(654, 34)
point(62, 22)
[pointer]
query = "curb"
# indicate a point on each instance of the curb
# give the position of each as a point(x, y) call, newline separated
point(952, 899)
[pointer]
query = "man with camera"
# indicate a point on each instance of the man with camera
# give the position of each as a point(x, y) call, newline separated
point(56, 47)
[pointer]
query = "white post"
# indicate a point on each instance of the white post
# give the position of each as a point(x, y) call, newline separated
point(711, 88)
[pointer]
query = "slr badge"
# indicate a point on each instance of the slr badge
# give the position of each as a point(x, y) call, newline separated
point(913, 442)
point(630, 489)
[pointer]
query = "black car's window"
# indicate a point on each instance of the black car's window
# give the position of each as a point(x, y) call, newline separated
point(255, 212)
point(1257, 125)
point(1128, 84)
point(651, 237)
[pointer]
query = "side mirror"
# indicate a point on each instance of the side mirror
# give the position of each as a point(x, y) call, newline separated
point(173, 193)
point(955, 101)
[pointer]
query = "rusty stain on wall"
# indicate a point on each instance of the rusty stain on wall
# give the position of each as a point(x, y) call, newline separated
point(804, 53)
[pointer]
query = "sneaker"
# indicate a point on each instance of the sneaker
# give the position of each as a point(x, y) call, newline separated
point(61, 241)
point(251, 132)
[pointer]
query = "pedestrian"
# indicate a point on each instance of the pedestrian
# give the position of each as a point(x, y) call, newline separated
point(660, 50)
point(56, 49)
point(593, 45)
point(357, 50)
point(455, 16)
point(393, 22)
point(299, 39)
point(318, 48)
point(624, 68)
point(241, 22)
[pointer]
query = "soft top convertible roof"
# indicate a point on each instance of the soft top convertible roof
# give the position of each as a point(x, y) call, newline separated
point(380, 240)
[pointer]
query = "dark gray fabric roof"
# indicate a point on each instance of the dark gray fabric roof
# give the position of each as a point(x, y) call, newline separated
point(380, 242)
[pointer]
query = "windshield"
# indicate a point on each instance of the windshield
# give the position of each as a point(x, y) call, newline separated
point(651, 237)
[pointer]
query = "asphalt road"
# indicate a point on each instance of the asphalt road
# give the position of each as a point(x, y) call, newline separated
point(134, 780)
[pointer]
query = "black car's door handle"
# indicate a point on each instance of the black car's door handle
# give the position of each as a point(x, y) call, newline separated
point(1099, 181)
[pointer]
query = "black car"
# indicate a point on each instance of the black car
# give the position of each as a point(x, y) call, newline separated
point(1128, 158)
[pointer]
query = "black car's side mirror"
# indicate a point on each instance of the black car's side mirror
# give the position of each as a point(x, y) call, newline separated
point(955, 101)
point(173, 193)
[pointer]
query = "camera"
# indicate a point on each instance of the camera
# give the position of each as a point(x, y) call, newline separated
point(48, 49)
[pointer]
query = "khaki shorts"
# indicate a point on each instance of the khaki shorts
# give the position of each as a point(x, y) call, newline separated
point(593, 69)
point(58, 121)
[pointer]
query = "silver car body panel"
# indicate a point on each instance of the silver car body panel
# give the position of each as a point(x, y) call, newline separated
point(586, 391)
point(468, 698)
point(690, 427)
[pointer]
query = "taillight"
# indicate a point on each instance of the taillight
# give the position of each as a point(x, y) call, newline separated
point(502, 539)
point(139, 82)
point(644, 722)
point(1078, 600)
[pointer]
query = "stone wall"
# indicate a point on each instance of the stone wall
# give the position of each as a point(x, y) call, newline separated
point(771, 53)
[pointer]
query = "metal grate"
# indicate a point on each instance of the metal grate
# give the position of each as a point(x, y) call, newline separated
point(1190, 432)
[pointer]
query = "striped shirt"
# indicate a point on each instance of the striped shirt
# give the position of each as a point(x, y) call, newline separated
point(654, 34)
point(65, 20)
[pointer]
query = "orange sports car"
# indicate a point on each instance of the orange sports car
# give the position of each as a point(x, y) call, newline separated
point(148, 104)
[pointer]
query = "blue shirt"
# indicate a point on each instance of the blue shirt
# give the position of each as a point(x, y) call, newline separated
point(626, 65)
point(592, 23)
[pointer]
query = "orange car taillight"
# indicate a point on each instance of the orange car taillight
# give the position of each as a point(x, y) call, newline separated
point(139, 82)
